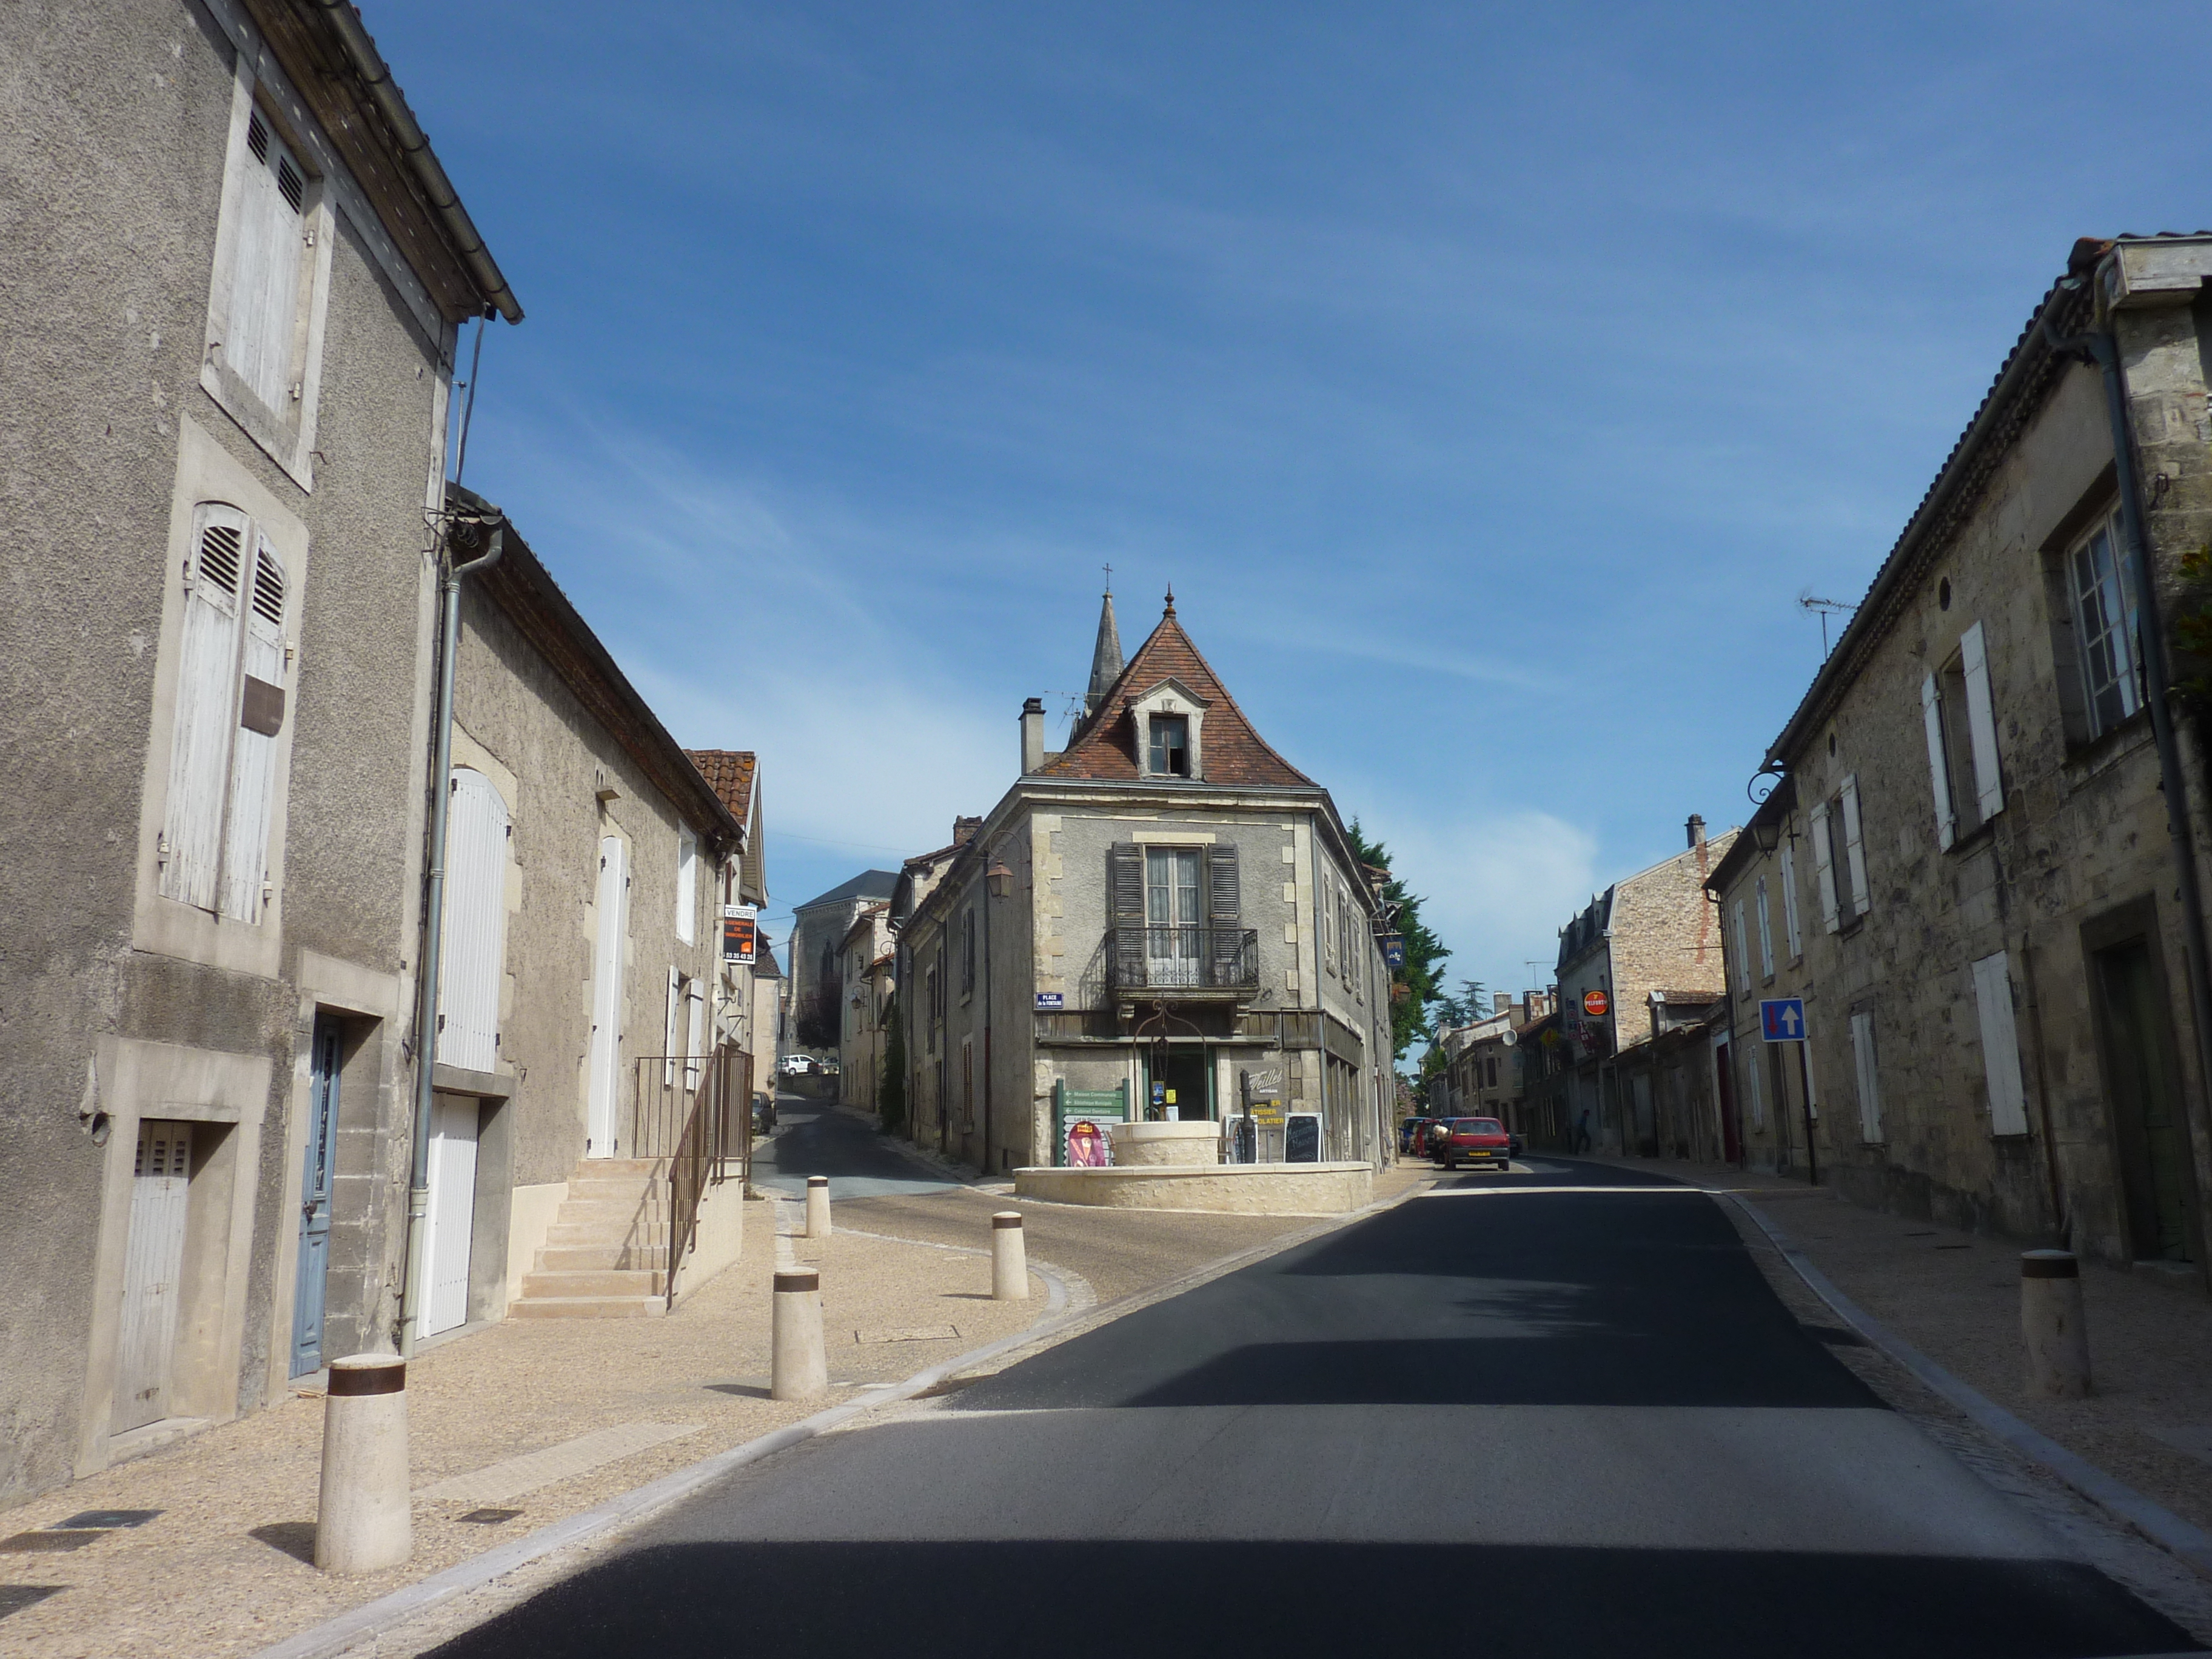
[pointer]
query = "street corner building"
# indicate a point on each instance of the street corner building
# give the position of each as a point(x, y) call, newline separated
point(1980, 867)
point(1163, 921)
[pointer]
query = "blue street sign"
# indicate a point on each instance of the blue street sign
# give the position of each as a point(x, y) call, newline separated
point(1046, 999)
point(1781, 1020)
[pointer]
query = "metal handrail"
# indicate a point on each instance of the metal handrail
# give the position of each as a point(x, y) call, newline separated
point(1160, 957)
point(683, 1110)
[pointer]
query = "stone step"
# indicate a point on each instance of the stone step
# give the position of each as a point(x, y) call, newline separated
point(594, 1189)
point(607, 1212)
point(566, 1235)
point(605, 1281)
point(594, 1258)
point(588, 1307)
point(610, 1169)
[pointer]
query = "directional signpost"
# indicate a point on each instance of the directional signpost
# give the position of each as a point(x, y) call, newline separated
point(1781, 1020)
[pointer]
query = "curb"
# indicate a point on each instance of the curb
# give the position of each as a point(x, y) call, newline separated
point(377, 1618)
point(2155, 1522)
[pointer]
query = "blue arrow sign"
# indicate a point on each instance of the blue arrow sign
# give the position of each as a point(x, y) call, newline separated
point(1781, 1020)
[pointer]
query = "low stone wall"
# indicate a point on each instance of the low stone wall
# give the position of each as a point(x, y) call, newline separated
point(1196, 1144)
point(1221, 1189)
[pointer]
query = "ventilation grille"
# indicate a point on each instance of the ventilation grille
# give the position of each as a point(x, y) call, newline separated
point(219, 556)
point(269, 590)
point(289, 181)
point(257, 137)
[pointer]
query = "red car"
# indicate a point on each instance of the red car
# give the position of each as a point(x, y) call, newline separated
point(1477, 1141)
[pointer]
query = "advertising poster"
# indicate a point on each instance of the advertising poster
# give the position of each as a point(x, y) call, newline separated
point(740, 932)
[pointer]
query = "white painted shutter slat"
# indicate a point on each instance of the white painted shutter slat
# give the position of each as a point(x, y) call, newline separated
point(687, 885)
point(472, 951)
point(207, 716)
point(1743, 952)
point(1854, 848)
point(1766, 932)
point(1981, 722)
point(253, 754)
point(1939, 771)
point(1824, 869)
point(1789, 904)
point(696, 999)
point(2000, 1046)
point(265, 291)
point(605, 1077)
point(452, 1214)
point(1869, 1079)
point(668, 1046)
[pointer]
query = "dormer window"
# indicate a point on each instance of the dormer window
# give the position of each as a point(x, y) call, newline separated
point(1170, 755)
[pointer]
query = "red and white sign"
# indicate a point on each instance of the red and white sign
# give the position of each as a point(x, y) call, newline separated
point(1596, 1004)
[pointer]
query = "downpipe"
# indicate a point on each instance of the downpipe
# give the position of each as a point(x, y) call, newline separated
point(434, 913)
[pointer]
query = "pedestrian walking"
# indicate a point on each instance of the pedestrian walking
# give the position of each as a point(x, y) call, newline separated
point(1581, 1132)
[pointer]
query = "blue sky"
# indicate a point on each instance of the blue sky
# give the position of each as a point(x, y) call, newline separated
point(1489, 381)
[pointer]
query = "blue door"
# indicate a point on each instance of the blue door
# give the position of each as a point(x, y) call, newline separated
point(315, 1201)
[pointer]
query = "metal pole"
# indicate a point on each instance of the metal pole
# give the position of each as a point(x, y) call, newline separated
point(1805, 1087)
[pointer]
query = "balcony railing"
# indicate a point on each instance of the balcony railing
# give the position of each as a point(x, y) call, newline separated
point(1185, 961)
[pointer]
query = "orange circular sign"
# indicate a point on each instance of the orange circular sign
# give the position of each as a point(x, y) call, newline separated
point(1595, 1002)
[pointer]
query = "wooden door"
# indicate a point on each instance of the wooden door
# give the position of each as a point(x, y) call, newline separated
point(153, 1270)
point(315, 1197)
point(2145, 1103)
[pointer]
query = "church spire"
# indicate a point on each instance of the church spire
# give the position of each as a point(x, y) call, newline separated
point(1106, 658)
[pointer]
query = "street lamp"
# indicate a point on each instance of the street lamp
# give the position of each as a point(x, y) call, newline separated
point(1000, 879)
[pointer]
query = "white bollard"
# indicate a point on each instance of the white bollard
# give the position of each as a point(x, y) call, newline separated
point(2052, 1325)
point(364, 1522)
point(818, 1206)
point(1010, 1258)
point(798, 1369)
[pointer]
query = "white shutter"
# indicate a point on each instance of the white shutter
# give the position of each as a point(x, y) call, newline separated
point(452, 1216)
point(1869, 1079)
point(687, 885)
point(1743, 952)
point(153, 1272)
point(1765, 932)
point(668, 1046)
point(605, 1074)
point(696, 999)
point(1824, 868)
point(472, 950)
point(254, 750)
point(1789, 904)
point(1854, 848)
point(264, 284)
point(2000, 1046)
point(1982, 723)
point(1939, 770)
point(207, 714)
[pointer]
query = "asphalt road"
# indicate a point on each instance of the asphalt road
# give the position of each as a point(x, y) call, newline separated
point(1496, 1419)
point(813, 1137)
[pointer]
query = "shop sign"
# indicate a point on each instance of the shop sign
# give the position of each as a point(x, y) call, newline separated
point(740, 933)
point(1596, 1004)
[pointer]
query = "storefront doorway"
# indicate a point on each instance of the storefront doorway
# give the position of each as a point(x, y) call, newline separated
point(1178, 1083)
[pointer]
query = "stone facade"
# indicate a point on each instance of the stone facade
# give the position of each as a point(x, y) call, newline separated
point(867, 985)
point(816, 958)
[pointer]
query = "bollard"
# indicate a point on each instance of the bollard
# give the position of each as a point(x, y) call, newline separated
point(1010, 1263)
point(364, 1520)
point(818, 1206)
point(799, 1369)
point(2052, 1325)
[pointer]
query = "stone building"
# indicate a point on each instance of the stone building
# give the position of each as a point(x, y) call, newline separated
point(865, 984)
point(1654, 931)
point(231, 297)
point(1991, 826)
point(1483, 1071)
point(1144, 916)
point(734, 1010)
point(816, 958)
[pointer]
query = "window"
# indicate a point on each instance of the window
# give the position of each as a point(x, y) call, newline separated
point(230, 707)
point(1789, 927)
point(1171, 745)
point(263, 329)
point(967, 951)
point(2000, 1046)
point(1870, 1082)
point(1172, 916)
point(687, 885)
point(1839, 867)
point(2102, 583)
point(1961, 719)
point(1765, 934)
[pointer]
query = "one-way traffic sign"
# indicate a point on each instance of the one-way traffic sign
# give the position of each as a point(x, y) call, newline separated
point(1781, 1020)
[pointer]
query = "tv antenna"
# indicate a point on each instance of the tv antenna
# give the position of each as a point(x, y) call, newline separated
point(1826, 609)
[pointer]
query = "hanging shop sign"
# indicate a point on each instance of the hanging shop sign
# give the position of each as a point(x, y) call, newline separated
point(1596, 1004)
point(1393, 949)
point(740, 933)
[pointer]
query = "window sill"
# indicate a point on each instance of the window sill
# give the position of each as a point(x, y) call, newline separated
point(284, 442)
point(2086, 759)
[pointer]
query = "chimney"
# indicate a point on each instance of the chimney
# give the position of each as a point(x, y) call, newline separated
point(1032, 736)
point(963, 831)
point(1696, 826)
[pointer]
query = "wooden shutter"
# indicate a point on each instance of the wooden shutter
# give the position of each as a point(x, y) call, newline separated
point(2000, 1046)
point(1869, 1080)
point(687, 885)
point(260, 716)
point(668, 1043)
point(1939, 770)
point(1789, 904)
point(207, 679)
point(1125, 897)
point(473, 933)
point(264, 280)
point(1743, 952)
point(1824, 867)
point(1982, 723)
point(695, 1038)
point(452, 1218)
point(1854, 849)
point(605, 1076)
point(1766, 932)
point(1224, 913)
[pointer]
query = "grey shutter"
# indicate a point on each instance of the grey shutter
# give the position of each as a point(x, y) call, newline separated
point(472, 958)
point(1982, 723)
point(253, 745)
point(1854, 846)
point(1125, 899)
point(1824, 868)
point(2000, 1046)
point(207, 715)
point(1224, 913)
point(1939, 765)
point(264, 284)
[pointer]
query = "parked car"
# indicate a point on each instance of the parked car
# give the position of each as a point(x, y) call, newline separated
point(797, 1065)
point(1478, 1140)
point(764, 1112)
point(827, 1067)
point(1518, 1147)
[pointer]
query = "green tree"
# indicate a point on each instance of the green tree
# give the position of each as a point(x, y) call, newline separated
point(891, 1093)
point(1425, 954)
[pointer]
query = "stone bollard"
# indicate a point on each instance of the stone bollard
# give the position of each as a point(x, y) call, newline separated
point(800, 1369)
point(2052, 1325)
point(364, 1520)
point(1010, 1261)
point(818, 1206)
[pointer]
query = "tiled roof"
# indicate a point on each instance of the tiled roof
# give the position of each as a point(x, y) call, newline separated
point(868, 885)
point(729, 774)
point(1689, 998)
point(1105, 747)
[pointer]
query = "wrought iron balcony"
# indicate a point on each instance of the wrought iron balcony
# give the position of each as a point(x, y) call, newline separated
point(1183, 962)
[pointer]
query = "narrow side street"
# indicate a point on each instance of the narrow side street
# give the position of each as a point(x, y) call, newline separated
point(1446, 1425)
